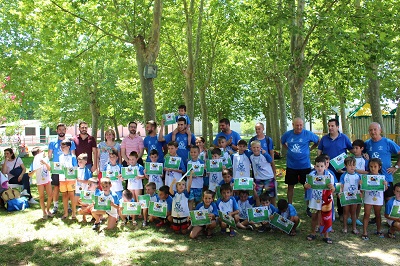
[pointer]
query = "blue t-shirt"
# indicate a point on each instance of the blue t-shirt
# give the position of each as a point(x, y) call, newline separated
point(389, 205)
point(152, 143)
point(114, 196)
point(182, 140)
point(298, 155)
point(168, 201)
point(290, 212)
point(334, 147)
point(227, 206)
point(266, 143)
point(211, 209)
point(55, 146)
point(383, 149)
point(235, 137)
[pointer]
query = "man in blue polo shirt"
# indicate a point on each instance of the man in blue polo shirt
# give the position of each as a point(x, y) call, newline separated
point(298, 165)
point(334, 144)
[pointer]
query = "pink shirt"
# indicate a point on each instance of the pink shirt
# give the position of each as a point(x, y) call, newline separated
point(132, 144)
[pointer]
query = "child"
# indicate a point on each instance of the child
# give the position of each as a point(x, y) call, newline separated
point(135, 185)
point(86, 208)
point(394, 222)
point(156, 179)
point(171, 173)
point(245, 201)
point(197, 181)
point(200, 142)
point(227, 177)
point(373, 199)
point(84, 174)
point(106, 185)
point(212, 209)
point(228, 205)
point(43, 182)
point(264, 177)
point(111, 168)
point(182, 114)
point(265, 201)
point(215, 177)
point(350, 181)
point(315, 203)
point(240, 161)
point(163, 197)
point(289, 212)
point(127, 196)
point(150, 190)
point(180, 204)
point(225, 149)
point(67, 187)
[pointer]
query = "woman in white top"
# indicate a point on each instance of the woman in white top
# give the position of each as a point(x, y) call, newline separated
point(105, 147)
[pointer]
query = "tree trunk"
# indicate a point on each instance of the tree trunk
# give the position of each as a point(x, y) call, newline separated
point(343, 118)
point(210, 134)
point(94, 109)
point(102, 132)
point(115, 124)
point(324, 119)
point(275, 134)
point(374, 94)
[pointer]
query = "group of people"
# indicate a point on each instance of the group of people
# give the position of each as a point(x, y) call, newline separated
point(212, 190)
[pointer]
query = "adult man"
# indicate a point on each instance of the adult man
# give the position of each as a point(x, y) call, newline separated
point(151, 141)
point(181, 136)
point(232, 137)
point(297, 142)
point(86, 144)
point(334, 144)
point(132, 142)
point(266, 142)
point(54, 152)
point(383, 148)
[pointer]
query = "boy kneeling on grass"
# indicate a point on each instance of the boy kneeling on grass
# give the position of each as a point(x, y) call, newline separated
point(228, 205)
point(113, 213)
point(288, 211)
point(394, 222)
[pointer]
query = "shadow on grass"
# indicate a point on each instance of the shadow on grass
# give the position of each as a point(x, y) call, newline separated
point(42, 252)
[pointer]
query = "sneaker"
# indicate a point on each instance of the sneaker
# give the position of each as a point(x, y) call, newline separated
point(249, 227)
point(54, 211)
point(358, 222)
point(262, 229)
point(160, 224)
point(372, 221)
point(33, 201)
point(309, 214)
point(144, 224)
point(24, 193)
point(96, 226)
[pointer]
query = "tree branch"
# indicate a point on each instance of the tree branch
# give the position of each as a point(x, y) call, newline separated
point(89, 47)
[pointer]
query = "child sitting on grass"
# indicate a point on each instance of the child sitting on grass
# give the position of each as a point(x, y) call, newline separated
point(212, 209)
point(288, 211)
point(228, 205)
point(163, 197)
point(265, 200)
point(86, 208)
point(127, 196)
point(151, 191)
point(394, 222)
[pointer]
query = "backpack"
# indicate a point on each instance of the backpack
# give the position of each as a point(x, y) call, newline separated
point(17, 204)
point(10, 194)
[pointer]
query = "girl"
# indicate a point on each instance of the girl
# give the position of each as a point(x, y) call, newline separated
point(373, 199)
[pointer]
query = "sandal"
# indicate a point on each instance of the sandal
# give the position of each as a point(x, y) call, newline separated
point(232, 233)
point(379, 234)
point(391, 235)
point(355, 231)
point(73, 218)
point(292, 233)
point(64, 217)
point(344, 231)
point(311, 237)
point(134, 223)
point(209, 234)
point(327, 240)
point(364, 237)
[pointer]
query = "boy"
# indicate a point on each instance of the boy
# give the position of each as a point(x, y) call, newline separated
point(265, 201)
point(315, 203)
point(182, 114)
point(289, 212)
point(171, 173)
point(215, 177)
point(135, 185)
point(156, 179)
point(127, 196)
point(43, 182)
point(264, 177)
point(350, 182)
point(245, 201)
point(394, 222)
point(226, 151)
point(197, 181)
point(212, 209)
point(240, 161)
point(106, 185)
point(228, 205)
point(150, 190)
point(86, 208)
point(84, 174)
point(180, 204)
point(67, 187)
point(163, 197)
point(227, 177)
point(200, 142)
point(111, 168)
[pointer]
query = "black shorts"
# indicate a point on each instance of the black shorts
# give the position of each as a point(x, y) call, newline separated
point(55, 179)
point(294, 176)
point(389, 191)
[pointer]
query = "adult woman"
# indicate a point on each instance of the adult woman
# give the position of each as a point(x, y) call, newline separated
point(10, 163)
point(104, 148)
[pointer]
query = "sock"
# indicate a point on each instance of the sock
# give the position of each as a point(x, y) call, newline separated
point(55, 204)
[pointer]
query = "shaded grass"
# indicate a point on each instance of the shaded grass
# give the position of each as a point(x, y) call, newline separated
point(28, 240)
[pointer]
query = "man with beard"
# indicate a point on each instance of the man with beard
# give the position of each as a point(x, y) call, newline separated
point(132, 142)
point(232, 137)
point(54, 154)
point(86, 144)
point(181, 137)
point(151, 141)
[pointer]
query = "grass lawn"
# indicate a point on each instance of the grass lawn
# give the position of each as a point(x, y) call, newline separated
point(27, 240)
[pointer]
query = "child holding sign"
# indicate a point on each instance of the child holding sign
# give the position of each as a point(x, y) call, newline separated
point(197, 182)
point(288, 211)
point(84, 174)
point(373, 199)
point(107, 195)
point(228, 205)
point(163, 197)
point(155, 178)
point(135, 185)
point(127, 196)
point(112, 171)
point(392, 212)
point(349, 184)
point(86, 208)
point(209, 206)
point(174, 166)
